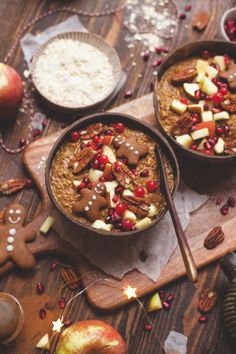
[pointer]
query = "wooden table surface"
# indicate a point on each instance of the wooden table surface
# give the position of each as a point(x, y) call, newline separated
point(208, 338)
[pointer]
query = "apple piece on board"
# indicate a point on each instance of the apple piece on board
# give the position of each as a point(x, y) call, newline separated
point(94, 175)
point(201, 66)
point(219, 147)
point(196, 108)
point(207, 116)
point(190, 89)
point(101, 225)
point(47, 224)
point(220, 61)
point(221, 115)
point(143, 223)
point(130, 215)
point(207, 86)
point(154, 303)
point(43, 342)
point(184, 140)
point(178, 106)
point(211, 72)
point(109, 153)
point(199, 134)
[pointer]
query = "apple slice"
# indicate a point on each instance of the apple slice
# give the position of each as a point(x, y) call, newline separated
point(184, 140)
point(47, 224)
point(130, 215)
point(94, 175)
point(111, 185)
point(109, 153)
point(76, 184)
point(152, 210)
point(178, 106)
point(43, 343)
point(190, 89)
point(196, 108)
point(221, 115)
point(107, 140)
point(220, 61)
point(219, 147)
point(127, 192)
point(154, 303)
point(201, 66)
point(211, 72)
point(207, 116)
point(208, 87)
point(209, 125)
point(101, 225)
point(143, 223)
point(199, 134)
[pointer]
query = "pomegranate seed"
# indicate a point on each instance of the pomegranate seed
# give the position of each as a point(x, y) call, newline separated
point(203, 319)
point(144, 173)
point(205, 54)
point(102, 179)
point(22, 142)
point(109, 132)
point(124, 160)
point(146, 55)
point(53, 266)
point(97, 139)
point(127, 225)
point(62, 303)
point(40, 288)
point(116, 217)
point(206, 107)
point(74, 136)
point(195, 118)
point(207, 152)
point(143, 256)
point(226, 130)
point(224, 209)
point(194, 147)
point(42, 314)
point(160, 50)
point(182, 16)
point(82, 185)
point(218, 97)
point(220, 130)
point(197, 94)
point(86, 180)
point(109, 178)
point(117, 166)
point(207, 145)
point(120, 208)
point(139, 192)
point(115, 199)
point(101, 167)
point(223, 91)
point(29, 183)
point(227, 60)
point(211, 141)
point(162, 294)
point(183, 100)
point(119, 127)
point(128, 94)
point(170, 298)
point(193, 128)
point(148, 327)
point(82, 146)
point(119, 190)
point(188, 7)
point(67, 323)
point(151, 186)
point(108, 219)
point(231, 202)
point(156, 62)
point(166, 305)
point(219, 200)
point(91, 185)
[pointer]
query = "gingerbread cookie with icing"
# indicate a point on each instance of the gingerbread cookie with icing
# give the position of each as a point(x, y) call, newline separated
point(92, 200)
point(230, 75)
point(14, 237)
point(130, 148)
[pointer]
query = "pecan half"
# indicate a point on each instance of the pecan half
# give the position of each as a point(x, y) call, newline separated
point(122, 174)
point(70, 278)
point(82, 160)
point(186, 75)
point(229, 103)
point(181, 126)
point(214, 238)
point(12, 185)
point(138, 206)
point(200, 21)
point(91, 131)
point(207, 300)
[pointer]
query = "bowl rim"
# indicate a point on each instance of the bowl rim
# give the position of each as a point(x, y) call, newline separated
point(222, 22)
point(193, 153)
point(109, 116)
point(90, 39)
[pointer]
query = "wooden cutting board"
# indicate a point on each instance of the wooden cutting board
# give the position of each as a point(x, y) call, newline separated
point(108, 295)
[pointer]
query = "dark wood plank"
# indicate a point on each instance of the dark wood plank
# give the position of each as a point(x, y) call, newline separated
point(209, 338)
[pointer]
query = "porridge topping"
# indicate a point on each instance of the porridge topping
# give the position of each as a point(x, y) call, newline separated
point(73, 74)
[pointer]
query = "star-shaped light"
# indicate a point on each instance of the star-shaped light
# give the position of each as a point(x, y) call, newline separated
point(130, 292)
point(57, 325)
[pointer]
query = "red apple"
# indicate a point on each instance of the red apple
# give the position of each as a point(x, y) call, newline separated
point(91, 336)
point(11, 92)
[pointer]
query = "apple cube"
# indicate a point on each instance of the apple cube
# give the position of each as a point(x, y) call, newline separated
point(211, 125)
point(201, 66)
point(101, 225)
point(211, 72)
point(201, 145)
point(199, 134)
point(219, 146)
point(221, 115)
point(178, 106)
point(200, 77)
point(184, 140)
point(43, 343)
point(190, 89)
point(152, 210)
point(76, 184)
point(107, 140)
point(220, 61)
point(94, 175)
point(109, 153)
point(127, 192)
point(207, 116)
point(208, 87)
point(130, 215)
point(47, 224)
point(154, 303)
point(111, 185)
point(143, 223)
point(196, 108)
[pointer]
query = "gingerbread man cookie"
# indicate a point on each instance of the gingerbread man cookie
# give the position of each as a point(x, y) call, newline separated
point(91, 201)
point(130, 148)
point(230, 75)
point(13, 237)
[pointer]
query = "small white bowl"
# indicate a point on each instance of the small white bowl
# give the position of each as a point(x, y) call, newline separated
point(228, 15)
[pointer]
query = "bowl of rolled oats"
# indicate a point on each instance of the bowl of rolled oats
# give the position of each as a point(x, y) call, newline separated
point(76, 72)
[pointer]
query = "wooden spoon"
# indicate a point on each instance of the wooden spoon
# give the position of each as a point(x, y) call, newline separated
point(183, 244)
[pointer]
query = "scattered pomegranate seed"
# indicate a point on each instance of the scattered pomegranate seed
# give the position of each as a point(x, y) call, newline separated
point(144, 173)
point(109, 132)
point(109, 177)
point(42, 314)
point(151, 186)
point(120, 208)
point(86, 180)
point(148, 327)
point(127, 225)
point(195, 118)
point(74, 136)
point(183, 100)
point(124, 160)
point(156, 62)
point(103, 159)
point(226, 130)
point(203, 319)
point(166, 305)
point(119, 190)
point(62, 303)
point(208, 152)
point(170, 298)
point(67, 323)
point(188, 7)
point(40, 288)
point(231, 202)
point(139, 192)
point(197, 94)
point(223, 91)
point(102, 179)
point(205, 54)
point(22, 142)
point(182, 16)
point(220, 130)
point(29, 183)
point(108, 219)
point(53, 266)
point(218, 97)
point(97, 139)
point(224, 209)
point(194, 147)
point(115, 198)
point(162, 294)
point(146, 55)
point(119, 127)
point(207, 145)
point(91, 185)
point(219, 200)
point(128, 94)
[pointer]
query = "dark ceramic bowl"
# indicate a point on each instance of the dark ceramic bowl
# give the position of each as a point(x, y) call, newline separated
point(111, 118)
point(189, 50)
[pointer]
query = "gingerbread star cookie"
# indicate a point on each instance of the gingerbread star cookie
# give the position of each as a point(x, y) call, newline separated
point(92, 200)
point(130, 148)
point(14, 237)
point(230, 75)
